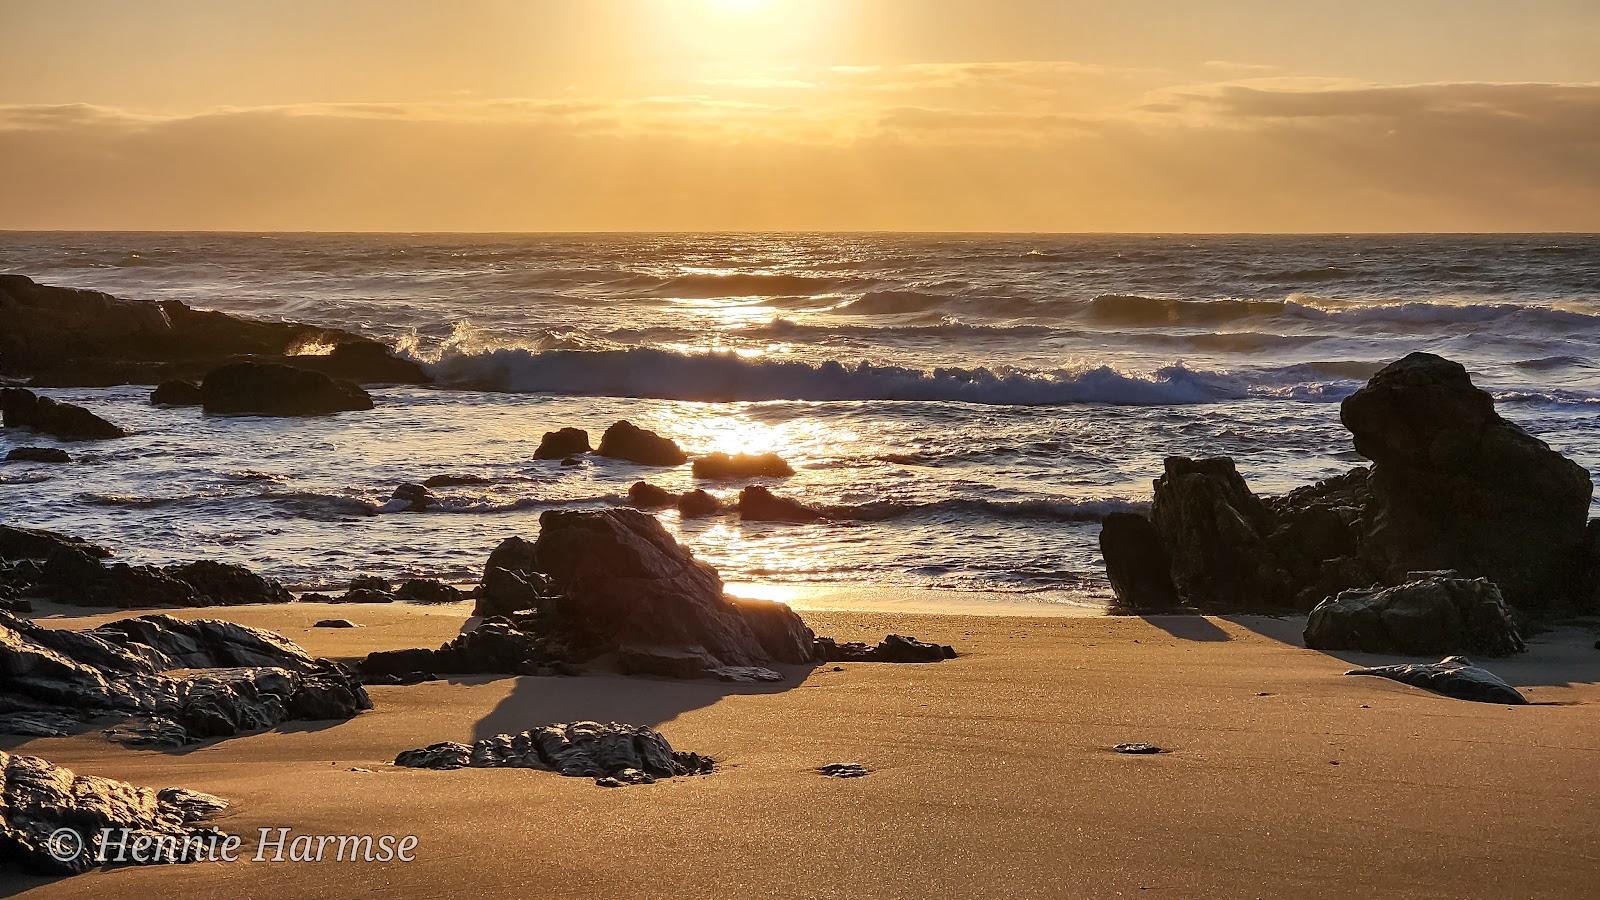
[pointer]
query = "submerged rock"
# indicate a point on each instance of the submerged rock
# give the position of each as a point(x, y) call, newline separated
point(39, 799)
point(434, 481)
point(177, 392)
point(269, 389)
point(742, 465)
point(22, 408)
point(625, 440)
point(758, 504)
point(410, 498)
point(1137, 563)
point(39, 455)
point(564, 443)
point(1138, 749)
point(630, 754)
point(1454, 676)
point(1431, 613)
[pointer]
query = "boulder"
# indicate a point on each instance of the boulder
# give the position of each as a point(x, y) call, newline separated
point(363, 595)
point(758, 504)
point(562, 444)
point(334, 623)
point(39, 455)
point(39, 799)
point(1216, 532)
point(410, 498)
point(267, 389)
point(428, 590)
point(895, 648)
point(1431, 613)
point(645, 495)
point(722, 466)
point(433, 481)
point(1455, 486)
point(697, 503)
point(226, 584)
point(22, 408)
point(177, 392)
point(364, 362)
point(75, 575)
point(1453, 676)
point(511, 580)
point(1136, 563)
point(624, 440)
point(370, 583)
point(625, 754)
point(39, 544)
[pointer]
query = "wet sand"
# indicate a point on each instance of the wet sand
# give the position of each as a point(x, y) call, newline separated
point(992, 773)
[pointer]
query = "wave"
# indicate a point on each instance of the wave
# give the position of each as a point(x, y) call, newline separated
point(667, 375)
point(943, 327)
point(893, 303)
point(1319, 273)
point(748, 284)
point(1555, 362)
point(1052, 510)
point(1135, 310)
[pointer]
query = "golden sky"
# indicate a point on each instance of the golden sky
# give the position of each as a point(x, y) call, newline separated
point(1007, 115)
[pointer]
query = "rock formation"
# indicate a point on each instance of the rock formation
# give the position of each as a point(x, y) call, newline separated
point(611, 753)
point(409, 497)
point(896, 648)
point(625, 440)
point(177, 392)
point(645, 495)
point(22, 408)
point(698, 503)
point(1431, 613)
point(562, 444)
point(742, 465)
point(269, 389)
point(758, 504)
point(39, 455)
point(428, 590)
point(1136, 563)
point(1453, 676)
point(1215, 531)
point(71, 571)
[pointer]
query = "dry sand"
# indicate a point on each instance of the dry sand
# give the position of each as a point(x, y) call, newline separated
point(992, 774)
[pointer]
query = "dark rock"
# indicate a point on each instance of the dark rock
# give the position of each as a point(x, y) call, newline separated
point(38, 800)
point(624, 440)
point(571, 461)
point(268, 389)
point(371, 583)
point(564, 443)
point(315, 597)
point(428, 590)
point(1215, 531)
point(667, 662)
point(758, 504)
point(39, 454)
point(742, 465)
point(1453, 676)
point(1138, 749)
point(1136, 563)
point(645, 495)
point(745, 674)
point(1455, 486)
point(176, 392)
point(365, 595)
point(498, 646)
point(39, 544)
point(843, 770)
point(225, 584)
point(334, 623)
point(410, 498)
point(894, 648)
point(511, 580)
point(22, 408)
point(364, 362)
point(70, 575)
point(1431, 613)
point(434, 481)
point(632, 754)
point(698, 503)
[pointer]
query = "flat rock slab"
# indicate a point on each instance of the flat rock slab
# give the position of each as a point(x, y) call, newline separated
point(1453, 676)
point(611, 753)
point(843, 770)
point(1139, 749)
point(335, 623)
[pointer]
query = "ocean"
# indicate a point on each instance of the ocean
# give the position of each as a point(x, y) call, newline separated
point(967, 407)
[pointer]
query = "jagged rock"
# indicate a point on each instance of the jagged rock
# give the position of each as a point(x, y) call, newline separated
point(207, 678)
point(1215, 531)
point(269, 389)
point(631, 754)
point(177, 392)
point(409, 498)
point(434, 481)
point(334, 623)
point(428, 590)
point(564, 443)
point(511, 580)
point(1137, 563)
point(38, 799)
point(844, 770)
point(370, 583)
point(1453, 676)
point(895, 648)
point(624, 440)
point(1431, 613)
point(758, 504)
point(39, 544)
point(39, 455)
point(645, 495)
point(363, 595)
point(497, 646)
point(364, 362)
point(722, 466)
point(73, 576)
point(22, 408)
point(697, 503)
point(226, 584)
point(1455, 486)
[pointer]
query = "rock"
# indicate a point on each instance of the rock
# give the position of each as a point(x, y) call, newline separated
point(39, 455)
point(364, 362)
point(268, 389)
point(624, 440)
point(745, 674)
point(225, 584)
point(698, 503)
point(39, 544)
point(758, 504)
point(564, 443)
point(410, 498)
point(667, 662)
point(434, 481)
point(632, 754)
point(202, 679)
point(315, 597)
point(1136, 563)
point(511, 580)
point(71, 575)
point(1455, 486)
point(1453, 676)
point(1216, 532)
point(894, 648)
point(843, 770)
point(22, 408)
point(334, 623)
point(364, 595)
point(571, 461)
point(1431, 613)
point(1138, 749)
point(743, 465)
point(429, 590)
point(370, 583)
point(645, 495)
point(176, 392)
point(498, 646)
point(38, 800)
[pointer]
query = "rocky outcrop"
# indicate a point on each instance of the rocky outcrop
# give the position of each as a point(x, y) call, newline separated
point(39, 799)
point(511, 580)
point(72, 572)
point(38, 544)
point(691, 504)
point(362, 361)
point(625, 440)
point(175, 681)
point(1136, 563)
point(562, 444)
point(269, 389)
point(1215, 531)
point(758, 504)
point(1455, 486)
point(39, 455)
point(1431, 613)
point(428, 590)
point(177, 392)
point(698, 503)
point(645, 495)
point(498, 646)
point(22, 408)
point(611, 753)
point(434, 481)
point(1453, 676)
point(722, 466)
point(896, 648)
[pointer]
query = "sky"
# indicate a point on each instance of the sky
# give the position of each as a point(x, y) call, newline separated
point(907, 115)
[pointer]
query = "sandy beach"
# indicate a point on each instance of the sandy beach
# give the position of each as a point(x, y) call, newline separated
point(992, 773)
